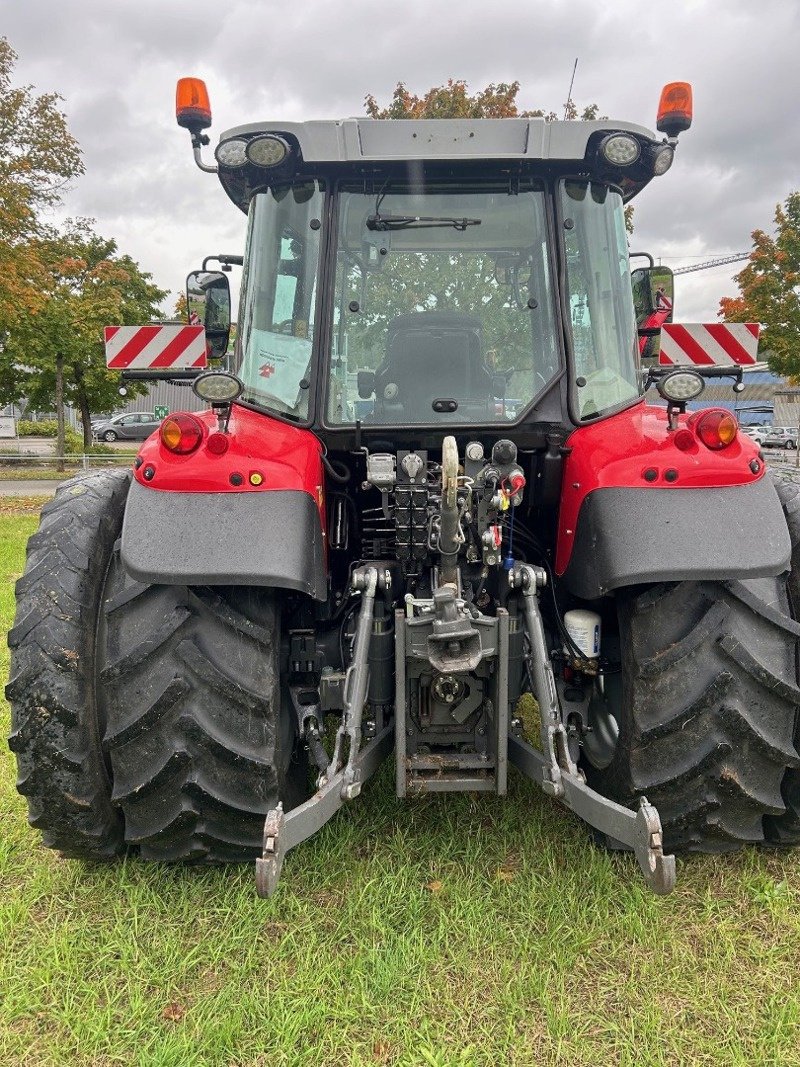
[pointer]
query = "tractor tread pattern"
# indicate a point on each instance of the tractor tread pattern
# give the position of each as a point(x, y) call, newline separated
point(54, 729)
point(784, 829)
point(192, 693)
point(711, 709)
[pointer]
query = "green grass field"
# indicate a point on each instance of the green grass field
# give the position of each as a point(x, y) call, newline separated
point(454, 931)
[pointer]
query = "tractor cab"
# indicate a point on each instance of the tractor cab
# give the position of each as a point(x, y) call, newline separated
point(419, 276)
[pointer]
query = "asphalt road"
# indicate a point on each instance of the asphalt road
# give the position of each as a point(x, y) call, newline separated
point(34, 487)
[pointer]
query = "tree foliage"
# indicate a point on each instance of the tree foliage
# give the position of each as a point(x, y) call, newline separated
point(87, 285)
point(38, 159)
point(769, 289)
point(453, 101)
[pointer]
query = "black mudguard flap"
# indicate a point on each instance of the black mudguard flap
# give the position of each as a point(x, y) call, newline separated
point(269, 538)
point(629, 536)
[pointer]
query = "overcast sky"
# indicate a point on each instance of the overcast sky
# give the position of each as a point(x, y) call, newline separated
point(115, 62)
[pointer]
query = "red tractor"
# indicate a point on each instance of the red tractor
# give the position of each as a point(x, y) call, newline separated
point(427, 482)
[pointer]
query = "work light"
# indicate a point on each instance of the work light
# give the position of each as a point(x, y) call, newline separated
point(681, 385)
point(620, 149)
point(217, 387)
point(662, 158)
point(267, 151)
point(231, 153)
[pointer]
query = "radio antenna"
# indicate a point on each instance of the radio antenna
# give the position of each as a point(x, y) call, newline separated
point(569, 94)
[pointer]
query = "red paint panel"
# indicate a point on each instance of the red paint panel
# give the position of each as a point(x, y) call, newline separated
point(286, 457)
point(615, 452)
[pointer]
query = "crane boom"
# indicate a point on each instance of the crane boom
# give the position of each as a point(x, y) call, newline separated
point(735, 257)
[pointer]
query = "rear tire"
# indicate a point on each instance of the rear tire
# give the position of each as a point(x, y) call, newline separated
point(785, 829)
point(707, 711)
point(56, 728)
point(143, 716)
point(199, 744)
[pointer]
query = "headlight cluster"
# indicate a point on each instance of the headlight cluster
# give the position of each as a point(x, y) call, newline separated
point(267, 150)
point(621, 150)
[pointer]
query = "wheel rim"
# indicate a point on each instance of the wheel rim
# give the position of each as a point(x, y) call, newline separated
point(601, 740)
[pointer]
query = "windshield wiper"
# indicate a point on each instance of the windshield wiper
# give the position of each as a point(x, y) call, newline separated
point(405, 222)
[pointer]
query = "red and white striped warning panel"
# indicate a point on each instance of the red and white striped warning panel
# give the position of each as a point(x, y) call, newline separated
point(715, 344)
point(157, 348)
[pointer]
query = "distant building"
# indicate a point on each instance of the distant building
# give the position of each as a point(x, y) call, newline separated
point(787, 406)
point(173, 396)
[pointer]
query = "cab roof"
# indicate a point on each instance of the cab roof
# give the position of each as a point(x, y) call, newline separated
point(360, 139)
point(357, 145)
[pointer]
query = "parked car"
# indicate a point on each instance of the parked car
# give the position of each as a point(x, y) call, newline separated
point(132, 426)
point(772, 436)
point(756, 433)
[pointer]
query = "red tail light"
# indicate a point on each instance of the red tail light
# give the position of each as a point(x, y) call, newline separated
point(716, 428)
point(181, 433)
point(217, 444)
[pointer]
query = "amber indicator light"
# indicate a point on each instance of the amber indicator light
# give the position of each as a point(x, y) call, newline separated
point(181, 433)
point(192, 106)
point(675, 108)
point(716, 429)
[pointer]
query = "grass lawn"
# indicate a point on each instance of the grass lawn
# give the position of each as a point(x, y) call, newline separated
point(450, 931)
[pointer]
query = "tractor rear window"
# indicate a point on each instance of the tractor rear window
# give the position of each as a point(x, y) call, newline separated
point(599, 297)
point(280, 294)
point(443, 307)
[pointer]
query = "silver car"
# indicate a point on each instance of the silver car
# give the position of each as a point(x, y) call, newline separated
point(132, 426)
point(777, 437)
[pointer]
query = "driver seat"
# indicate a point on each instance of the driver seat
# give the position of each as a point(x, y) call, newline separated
point(430, 355)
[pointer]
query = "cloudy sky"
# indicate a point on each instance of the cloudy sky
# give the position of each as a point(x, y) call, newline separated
point(115, 62)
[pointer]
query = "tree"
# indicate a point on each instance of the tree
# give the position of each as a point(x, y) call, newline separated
point(38, 159)
point(769, 289)
point(88, 286)
point(453, 101)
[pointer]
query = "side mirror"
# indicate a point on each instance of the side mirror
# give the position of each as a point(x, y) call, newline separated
point(366, 383)
point(653, 293)
point(653, 299)
point(208, 303)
